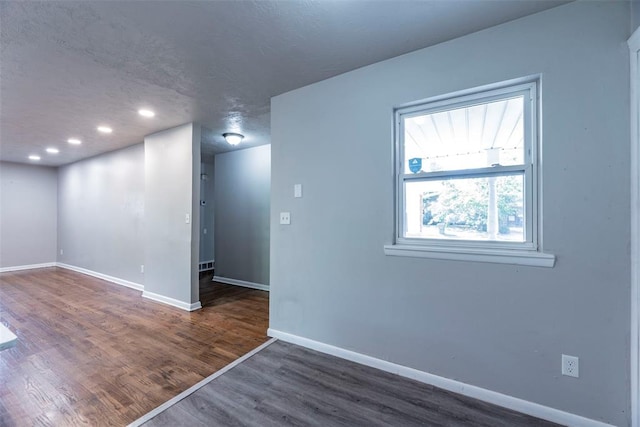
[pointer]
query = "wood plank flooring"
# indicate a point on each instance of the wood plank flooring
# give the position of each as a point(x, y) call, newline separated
point(285, 385)
point(93, 353)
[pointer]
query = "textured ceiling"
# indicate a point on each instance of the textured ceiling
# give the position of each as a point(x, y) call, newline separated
point(67, 67)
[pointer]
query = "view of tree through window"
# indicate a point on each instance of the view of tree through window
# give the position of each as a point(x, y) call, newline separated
point(462, 209)
point(464, 174)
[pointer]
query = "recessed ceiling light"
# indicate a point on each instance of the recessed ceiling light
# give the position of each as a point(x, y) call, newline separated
point(34, 157)
point(146, 113)
point(74, 141)
point(104, 129)
point(52, 150)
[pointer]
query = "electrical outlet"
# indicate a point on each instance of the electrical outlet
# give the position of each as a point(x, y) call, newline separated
point(570, 366)
point(61, 251)
point(285, 218)
point(142, 269)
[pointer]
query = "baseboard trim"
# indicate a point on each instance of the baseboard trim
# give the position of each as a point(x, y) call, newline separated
point(198, 386)
point(509, 402)
point(116, 280)
point(137, 286)
point(27, 267)
point(172, 301)
point(243, 283)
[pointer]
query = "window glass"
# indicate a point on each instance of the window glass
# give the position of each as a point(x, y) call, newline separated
point(486, 208)
point(473, 136)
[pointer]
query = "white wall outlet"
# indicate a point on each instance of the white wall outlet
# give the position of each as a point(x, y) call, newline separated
point(285, 218)
point(142, 269)
point(61, 251)
point(570, 366)
point(204, 231)
point(297, 190)
point(187, 218)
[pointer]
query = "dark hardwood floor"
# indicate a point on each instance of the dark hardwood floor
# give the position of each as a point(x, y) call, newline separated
point(287, 385)
point(93, 353)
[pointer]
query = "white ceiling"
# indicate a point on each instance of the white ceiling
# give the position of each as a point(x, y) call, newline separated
point(67, 67)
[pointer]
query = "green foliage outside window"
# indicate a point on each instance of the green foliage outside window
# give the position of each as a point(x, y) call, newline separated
point(464, 202)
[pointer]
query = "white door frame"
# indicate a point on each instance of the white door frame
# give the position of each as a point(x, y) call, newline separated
point(634, 48)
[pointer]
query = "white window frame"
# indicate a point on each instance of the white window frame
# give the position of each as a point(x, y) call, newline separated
point(524, 253)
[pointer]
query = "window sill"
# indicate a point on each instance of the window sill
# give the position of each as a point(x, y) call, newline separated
point(498, 256)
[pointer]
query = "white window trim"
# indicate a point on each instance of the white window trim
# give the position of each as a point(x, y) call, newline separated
point(526, 253)
point(496, 256)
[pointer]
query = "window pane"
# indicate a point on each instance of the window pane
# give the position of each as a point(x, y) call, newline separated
point(475, 136)
point(489, 208)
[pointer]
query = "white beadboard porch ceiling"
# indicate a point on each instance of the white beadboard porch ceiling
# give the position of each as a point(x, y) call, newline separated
point(67, 67)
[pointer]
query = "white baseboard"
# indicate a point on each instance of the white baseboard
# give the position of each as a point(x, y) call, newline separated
point(27, 267)
point(244, 283)
point(171, 301)
point(198, 386)
point(128, 284)
point(509, 402)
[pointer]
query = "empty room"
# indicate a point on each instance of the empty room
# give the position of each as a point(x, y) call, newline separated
point(356, 212)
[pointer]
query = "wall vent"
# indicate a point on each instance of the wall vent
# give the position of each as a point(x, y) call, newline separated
point(206, 266)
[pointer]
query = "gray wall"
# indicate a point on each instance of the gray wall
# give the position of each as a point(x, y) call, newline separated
point(635, 14)
point(170, 163)
point(101, 213)
point(242, 185)
point(28, 214)
point(500, 327)
point(207, 220)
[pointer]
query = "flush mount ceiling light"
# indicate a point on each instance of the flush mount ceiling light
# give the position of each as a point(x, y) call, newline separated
point(105, 129)
point(34, 157)
point(146, 113)
point(52, 150)
point(233, 138)
point(74, 141)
